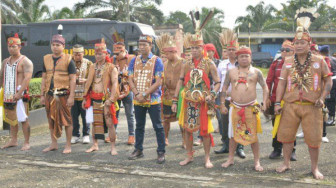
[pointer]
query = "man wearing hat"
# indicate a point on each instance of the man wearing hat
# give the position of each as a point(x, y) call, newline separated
point(145, 78)
point(304, 83)
point(16, 72)
point(196, 106)
point(121, 60)
point(172, 68)
point(330, 100)
point(229, 41)
point(82, 71)
point(100, 98)
point(244, 112)
point(272, 80)
point(58, 91)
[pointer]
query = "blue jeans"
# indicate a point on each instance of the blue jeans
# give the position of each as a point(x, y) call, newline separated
point(155, 116)
point(77, 110)
point(128, 106)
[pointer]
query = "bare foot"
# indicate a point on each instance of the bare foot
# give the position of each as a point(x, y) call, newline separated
point(258, 168)
point(227, 163)
point(114, 152)
point(9, 144)
point(167, 142)
point(67, 150)
point(92, 149)
point(51, 148)
point(25, 147)
point(187, 161)
point(317, 174)
point(208, 164)
point(283, 168)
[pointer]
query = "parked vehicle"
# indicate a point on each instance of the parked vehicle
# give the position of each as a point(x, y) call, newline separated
point(262, 59)
point(36, 37)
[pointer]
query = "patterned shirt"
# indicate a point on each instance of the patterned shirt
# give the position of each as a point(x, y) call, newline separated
point(158, 72)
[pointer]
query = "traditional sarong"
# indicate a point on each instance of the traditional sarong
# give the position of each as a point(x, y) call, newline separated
point(58, 113)
point(96, 100)
point(244, 122)
point(305, 113)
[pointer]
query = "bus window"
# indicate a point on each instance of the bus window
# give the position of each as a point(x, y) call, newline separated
point(40, 35)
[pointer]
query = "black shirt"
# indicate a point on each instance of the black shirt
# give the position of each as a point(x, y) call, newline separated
point(71, 70)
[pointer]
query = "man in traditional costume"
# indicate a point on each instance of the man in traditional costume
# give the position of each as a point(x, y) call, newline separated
point(172, 67)
point(197, 101)
point(82, 72)
point(100, 97)
point(229, 41)
point(145, 77)
point(187, 46)
point(244, 114)
point(303, 86)
point(58, 91)
point(272, 80)
point(16, 72)
point(121, 60)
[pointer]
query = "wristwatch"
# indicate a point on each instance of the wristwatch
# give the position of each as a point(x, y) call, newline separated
point(144, 94)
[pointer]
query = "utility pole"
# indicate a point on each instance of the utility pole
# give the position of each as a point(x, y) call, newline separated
point(127, 11)
point(1, 108)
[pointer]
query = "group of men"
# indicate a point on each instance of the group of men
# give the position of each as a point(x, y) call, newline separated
point(191, 91)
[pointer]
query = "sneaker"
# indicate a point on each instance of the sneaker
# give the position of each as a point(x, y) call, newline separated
point(300, 135)
point(86, 139)
point(198, 142)
point(74, 140)
point(325, 139)
point(131, 140)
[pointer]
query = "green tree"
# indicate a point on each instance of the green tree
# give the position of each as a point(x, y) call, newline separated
point(258, 16)
point(34, 11)
point(178, 17)
point(143, 11)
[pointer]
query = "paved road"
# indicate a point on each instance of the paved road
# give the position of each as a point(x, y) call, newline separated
point(79, 169)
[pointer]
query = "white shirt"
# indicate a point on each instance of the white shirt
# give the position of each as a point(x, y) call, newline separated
point(223, 67)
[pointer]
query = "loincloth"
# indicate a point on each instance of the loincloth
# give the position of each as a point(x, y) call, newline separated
point(244, 122)
point(16, 112)
point(167, 114)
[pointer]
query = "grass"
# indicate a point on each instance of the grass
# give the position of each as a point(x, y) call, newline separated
point(264, 71)
point(33, 80)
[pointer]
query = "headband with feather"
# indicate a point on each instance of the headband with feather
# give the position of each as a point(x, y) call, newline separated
point(304, 17)
point(162, 41)
point(228, 39)
point(197, 38)
point(187, 38)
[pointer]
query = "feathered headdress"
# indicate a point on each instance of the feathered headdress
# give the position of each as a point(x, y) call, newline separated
point(187, 42)
point(304, 17)
point(162, 41)
point(197, 38)
point(101, 46)
point(228, 39)
point(14, 40)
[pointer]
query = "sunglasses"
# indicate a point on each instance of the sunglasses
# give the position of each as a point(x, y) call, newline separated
point(285, 50)
point(195, 47)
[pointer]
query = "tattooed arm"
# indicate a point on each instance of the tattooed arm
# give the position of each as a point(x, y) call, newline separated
point(327, 82)
point(226, 85)
point(263, 84)
point(27, 73)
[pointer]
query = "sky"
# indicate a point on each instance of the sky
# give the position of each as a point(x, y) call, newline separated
point(232, 8)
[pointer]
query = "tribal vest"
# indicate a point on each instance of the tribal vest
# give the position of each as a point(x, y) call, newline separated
point(59, 73)
point(10, 78)
point(124, 88)
point(196, 80)
point(82, 73)
point(312, 83)
point(170, 79)
point(143, 74)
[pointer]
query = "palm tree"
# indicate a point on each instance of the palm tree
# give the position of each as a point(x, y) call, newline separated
point(34, 11)
point(10, 12)
point(144, 11)
point(257, 15)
